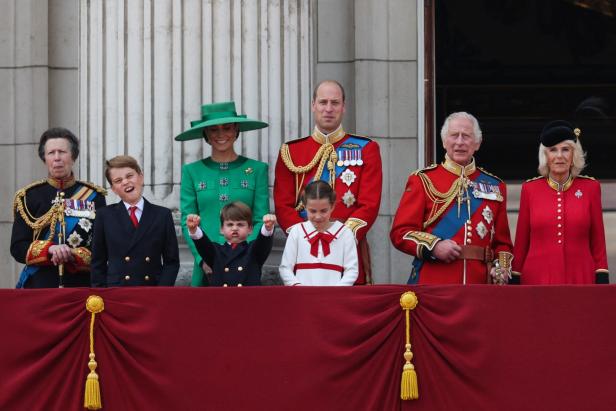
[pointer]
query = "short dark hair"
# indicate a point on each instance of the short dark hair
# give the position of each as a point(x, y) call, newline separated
point(316, 88)
point(58, 132)
point(236, 211)
point(120, 162)
point(318, 190)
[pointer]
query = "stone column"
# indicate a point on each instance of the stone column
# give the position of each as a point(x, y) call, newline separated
point(147, 66)
point(38, 89)
point(371, 48)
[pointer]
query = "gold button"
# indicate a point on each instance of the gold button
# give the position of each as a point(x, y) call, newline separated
point(239, 285)
point(559, 217)
point(558, 193)
point(147, 259)
point(147, 278)
point(469, 234)
point(240, 268)
point(225, 285)
point(559, 210)
point(127, 277)
point(559, 241)
point(469, 241)
point(559, 233)
point(226, 269)
point(560, 199)
point(127, 258)
point(560, 225)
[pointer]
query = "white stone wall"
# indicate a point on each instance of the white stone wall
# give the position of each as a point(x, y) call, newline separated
point(38, 89)
point(371, 48)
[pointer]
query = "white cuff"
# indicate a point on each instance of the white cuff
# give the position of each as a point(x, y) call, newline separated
point(265, 232)
point(197, 235)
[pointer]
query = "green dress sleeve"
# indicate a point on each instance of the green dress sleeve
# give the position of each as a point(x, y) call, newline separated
point(260, 205)
point(188, 205)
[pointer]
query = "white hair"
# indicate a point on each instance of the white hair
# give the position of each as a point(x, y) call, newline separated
point(579, 158)
point(462, 114)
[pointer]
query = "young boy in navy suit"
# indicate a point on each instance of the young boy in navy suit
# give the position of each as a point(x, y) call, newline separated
point(237, 262)
point(134, 241)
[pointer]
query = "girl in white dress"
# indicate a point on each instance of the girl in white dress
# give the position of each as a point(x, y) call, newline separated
point(319, 251)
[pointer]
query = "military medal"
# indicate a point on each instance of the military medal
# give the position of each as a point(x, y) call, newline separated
point(348, 177)
point(359, 160)
point(353, 158)
point(340, 163)
point(85, 224)
point(74, 240)
point(481, 229)
point(346, 158)
point(348, 199)
point(487, 215)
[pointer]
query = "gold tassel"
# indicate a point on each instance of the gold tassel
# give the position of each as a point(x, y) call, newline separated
point(92, 397)
point(408, 387)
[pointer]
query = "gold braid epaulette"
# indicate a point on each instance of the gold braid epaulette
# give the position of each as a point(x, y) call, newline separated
point(490, 174)
point(534, 178)
point(36, 224)
point(587, 177)
point(93, 186)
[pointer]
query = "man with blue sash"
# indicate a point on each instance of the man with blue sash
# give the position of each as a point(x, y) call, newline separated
point(351, 164)
point(452, 217)
point(53, 219)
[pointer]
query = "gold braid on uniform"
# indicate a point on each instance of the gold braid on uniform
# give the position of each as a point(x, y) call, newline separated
point(36, 224)
point(325, 155)
point(439, 200)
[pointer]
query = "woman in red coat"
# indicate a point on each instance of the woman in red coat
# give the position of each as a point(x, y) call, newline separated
point(560, 237)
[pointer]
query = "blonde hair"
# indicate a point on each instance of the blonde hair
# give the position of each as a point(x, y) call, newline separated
point(579, 158)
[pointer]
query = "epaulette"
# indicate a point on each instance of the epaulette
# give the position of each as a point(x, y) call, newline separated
point(31, 185)
point(587, 177)
point(360, 136)
point(490, 174)
point(297, 140)
point(534, 178)
point(93, 186)
point(422, 170)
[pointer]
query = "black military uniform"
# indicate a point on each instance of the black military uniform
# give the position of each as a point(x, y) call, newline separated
point(123, 255)
point(37, 225)
point(235, 266)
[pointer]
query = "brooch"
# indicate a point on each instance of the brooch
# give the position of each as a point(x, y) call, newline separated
point(487, 215)
point(348, 177)
point(578, 194)
point(481, 230)
point(348, 199)
point(248, 170)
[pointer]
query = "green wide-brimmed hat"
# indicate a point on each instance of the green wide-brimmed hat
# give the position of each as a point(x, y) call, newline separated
point(215, 114)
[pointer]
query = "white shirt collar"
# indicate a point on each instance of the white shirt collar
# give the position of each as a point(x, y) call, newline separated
point(139, 205)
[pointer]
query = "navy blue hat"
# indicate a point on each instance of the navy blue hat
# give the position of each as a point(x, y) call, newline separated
point(558, 131)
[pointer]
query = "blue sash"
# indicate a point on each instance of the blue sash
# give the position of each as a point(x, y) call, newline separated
point(360, 143)
point(450, 223)
point(71, 222)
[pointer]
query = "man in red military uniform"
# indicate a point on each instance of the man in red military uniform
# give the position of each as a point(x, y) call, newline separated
point(349, 163)
point(452, 217)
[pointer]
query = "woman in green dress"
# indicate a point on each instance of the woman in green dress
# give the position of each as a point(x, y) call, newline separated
point(208, 184)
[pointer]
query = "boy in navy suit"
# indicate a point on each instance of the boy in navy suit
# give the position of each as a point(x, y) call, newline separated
point(134, 240)
point(237, 262)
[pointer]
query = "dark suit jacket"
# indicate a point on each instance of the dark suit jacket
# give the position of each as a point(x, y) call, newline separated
point(125, 255)
point(234, 266)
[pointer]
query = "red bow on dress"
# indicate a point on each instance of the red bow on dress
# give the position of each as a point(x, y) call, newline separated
point(324, 238)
